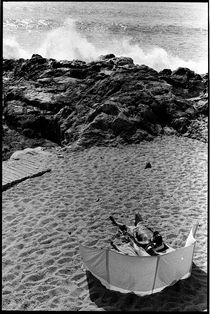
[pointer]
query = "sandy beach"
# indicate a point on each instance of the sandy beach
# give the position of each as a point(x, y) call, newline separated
point(45, 217)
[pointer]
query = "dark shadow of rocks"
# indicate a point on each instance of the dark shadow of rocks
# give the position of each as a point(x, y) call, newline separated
point(186, 295)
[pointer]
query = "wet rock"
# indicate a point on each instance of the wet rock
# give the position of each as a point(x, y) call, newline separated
point(8, 64)
point(165, 72)
point(169, 131)
point(110, 107)
point(102, 121)
point(122, 61)
point(37, 57)
point(141, 135)
point(198, 129)
point(107, 57)
point(185, 82)
point(201, 105)
point(90, 136)
point(181, 124)
point(122, 124)
point(32, 68)
point(68, 64)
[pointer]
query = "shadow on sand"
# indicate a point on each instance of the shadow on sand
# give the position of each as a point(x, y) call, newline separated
point(186, 295)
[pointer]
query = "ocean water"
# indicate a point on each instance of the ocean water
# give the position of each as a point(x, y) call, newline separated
point(158, 34)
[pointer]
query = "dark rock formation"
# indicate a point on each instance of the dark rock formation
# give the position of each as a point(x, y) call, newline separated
point(185, 82)
point(105, 102)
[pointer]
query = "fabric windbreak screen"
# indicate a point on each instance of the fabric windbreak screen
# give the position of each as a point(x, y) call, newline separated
point(132, 273)
point(173, 266)
point(190, 239)
point(139, 274)
point(95, 261)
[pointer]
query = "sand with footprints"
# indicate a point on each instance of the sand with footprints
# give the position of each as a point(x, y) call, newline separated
point(45, 217)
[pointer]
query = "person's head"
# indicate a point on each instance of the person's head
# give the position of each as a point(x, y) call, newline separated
point(141, 237)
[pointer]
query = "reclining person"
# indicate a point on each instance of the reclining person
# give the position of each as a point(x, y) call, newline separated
point(141, 236)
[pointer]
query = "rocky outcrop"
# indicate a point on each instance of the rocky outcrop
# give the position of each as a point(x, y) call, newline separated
point(105, 102)
point(185, 82)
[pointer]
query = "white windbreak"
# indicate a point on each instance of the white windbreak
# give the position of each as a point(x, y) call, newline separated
point(139, 274)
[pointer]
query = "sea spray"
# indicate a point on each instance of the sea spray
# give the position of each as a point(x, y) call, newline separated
point(66, 42)
point(12, 49)
point(158, 58)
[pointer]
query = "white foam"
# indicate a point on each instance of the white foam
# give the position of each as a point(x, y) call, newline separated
point(158, 58)
point(12, 49)
point(67, 43)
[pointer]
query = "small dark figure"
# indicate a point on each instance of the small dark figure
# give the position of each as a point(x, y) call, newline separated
point(148, 165)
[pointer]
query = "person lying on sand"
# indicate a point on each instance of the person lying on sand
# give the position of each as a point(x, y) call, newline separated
point(139, 235)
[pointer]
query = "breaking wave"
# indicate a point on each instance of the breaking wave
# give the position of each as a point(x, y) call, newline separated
point(67, 43)
point(12, 49)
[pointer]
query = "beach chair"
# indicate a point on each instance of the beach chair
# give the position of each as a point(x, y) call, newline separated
point(142, 275)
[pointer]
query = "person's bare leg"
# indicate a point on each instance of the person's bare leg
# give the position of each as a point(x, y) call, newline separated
point(138, 219)
point(119, 225)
